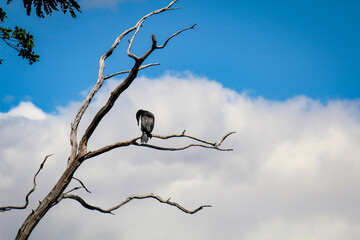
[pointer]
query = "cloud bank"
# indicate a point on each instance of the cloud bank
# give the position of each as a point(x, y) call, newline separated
point(293, 174)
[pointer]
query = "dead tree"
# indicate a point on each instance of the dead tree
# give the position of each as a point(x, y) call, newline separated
point(79, 151)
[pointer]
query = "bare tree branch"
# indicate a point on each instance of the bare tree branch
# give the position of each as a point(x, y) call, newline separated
point(107, 148)
point(100, 81)
point(186, 136)
point(132, 197)
point(85, 204)
point(114, 96)
point(178, 148)
point(82, 184)
point(140, 68)
point(226, 135)
point(154, 46)
point(205, 144)
point(138, 25)
point(8, 208)
point(73, 189)
point(167, 40)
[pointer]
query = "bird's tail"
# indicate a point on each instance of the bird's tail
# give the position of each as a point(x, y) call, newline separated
point(144, 137)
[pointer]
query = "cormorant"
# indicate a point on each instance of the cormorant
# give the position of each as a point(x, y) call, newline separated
point(147, 124)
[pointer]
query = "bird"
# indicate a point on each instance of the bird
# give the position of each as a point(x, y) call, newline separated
point(147, 124)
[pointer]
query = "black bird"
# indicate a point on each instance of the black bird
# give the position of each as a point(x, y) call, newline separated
point(147, 124)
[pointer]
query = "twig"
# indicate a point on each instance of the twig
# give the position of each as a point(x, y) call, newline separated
point(8, 208)
point(219, 143)
point(184, 135)
point(140, 68)
point(74, 189)
point(132, 197)
point(82, 184)
point(167, 40)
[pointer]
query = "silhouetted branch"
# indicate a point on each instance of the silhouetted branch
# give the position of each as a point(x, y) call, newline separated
point(132, 197)
point(8, 208)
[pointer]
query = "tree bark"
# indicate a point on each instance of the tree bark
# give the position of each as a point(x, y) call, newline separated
point(49, 201)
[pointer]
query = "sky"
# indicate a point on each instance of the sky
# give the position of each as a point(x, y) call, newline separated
point(276, 49)
point(283, 75)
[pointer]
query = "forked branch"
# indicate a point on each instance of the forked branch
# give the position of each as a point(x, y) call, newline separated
point(8, 208)
point(132, 197)
point(119, 90)
point(139, 23)
point(82, 184)
point(132, 74)
point(202, 143)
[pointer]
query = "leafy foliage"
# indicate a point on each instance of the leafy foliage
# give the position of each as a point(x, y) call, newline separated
point(18, 39)
point(21, 40)
point(48, 6)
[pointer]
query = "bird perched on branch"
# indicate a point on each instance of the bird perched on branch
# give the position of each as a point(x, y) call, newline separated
point(147, 124)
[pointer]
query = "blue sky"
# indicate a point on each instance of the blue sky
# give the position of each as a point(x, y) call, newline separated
point(274, 49)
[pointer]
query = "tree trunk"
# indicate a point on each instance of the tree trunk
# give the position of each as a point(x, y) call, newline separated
point(49, 201)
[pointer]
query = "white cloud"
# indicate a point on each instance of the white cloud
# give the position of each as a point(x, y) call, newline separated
point(293, 173)
point(311, 228)
point(27, 110)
